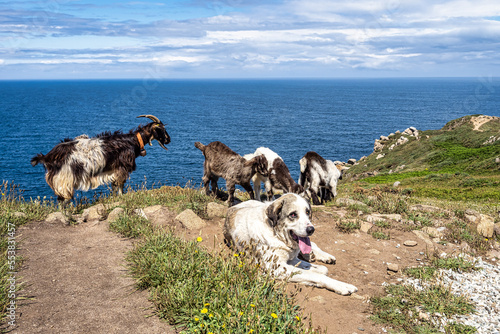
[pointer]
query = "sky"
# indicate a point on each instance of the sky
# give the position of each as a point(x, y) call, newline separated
point(108, 39)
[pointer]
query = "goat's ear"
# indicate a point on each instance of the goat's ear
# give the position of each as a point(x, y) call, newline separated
point(273, 212)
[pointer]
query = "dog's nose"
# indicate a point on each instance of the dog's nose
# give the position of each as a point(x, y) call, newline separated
point(310, 230)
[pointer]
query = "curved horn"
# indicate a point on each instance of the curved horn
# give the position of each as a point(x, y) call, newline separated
point(163, 146)
point(151, 117)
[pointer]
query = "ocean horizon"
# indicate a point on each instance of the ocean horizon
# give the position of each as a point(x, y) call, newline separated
point(337, 118)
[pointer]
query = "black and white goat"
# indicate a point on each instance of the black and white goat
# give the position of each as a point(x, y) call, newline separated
point(319, 177)
point(221, 161)
point(278, 177)
point(83, 163)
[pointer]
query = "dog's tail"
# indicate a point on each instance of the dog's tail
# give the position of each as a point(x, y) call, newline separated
point(199, 146)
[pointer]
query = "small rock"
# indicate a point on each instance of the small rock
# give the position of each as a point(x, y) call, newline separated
point(396, 184)
point(141, 213)
point(392, 267)
point(410, 243)
point(425, 208)
point(318, 299)
point(365, 227)
point(351, 161)
point(423, 316)
point(422, 235)
point(57, 218)
point(190, 220)
point(432, 232)
point(19, 214)
point(380, 156)
point(496, 229)
point(216, 210)
point(115, 214)
point(486, 226)
point(374, 251)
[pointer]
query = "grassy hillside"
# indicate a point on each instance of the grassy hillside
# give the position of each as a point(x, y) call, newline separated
point(457, 162)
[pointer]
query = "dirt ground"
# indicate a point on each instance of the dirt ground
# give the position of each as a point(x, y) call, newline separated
point(76, 280)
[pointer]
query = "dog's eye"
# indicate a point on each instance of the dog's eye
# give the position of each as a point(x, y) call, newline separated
point(293, 215)
point(308, 212)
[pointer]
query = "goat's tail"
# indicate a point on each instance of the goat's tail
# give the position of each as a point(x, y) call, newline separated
point(199, 146)
point(303, 166)
point(39, 158)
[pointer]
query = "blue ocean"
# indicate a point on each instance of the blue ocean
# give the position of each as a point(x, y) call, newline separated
point(338, 118)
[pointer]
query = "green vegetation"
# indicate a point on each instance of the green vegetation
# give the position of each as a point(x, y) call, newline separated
point(348, 226)
point(454, 163)
point(428, 273)
point(206, 292)
point(411, 310)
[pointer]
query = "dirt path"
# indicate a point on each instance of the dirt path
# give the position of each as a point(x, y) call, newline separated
point(77, 282)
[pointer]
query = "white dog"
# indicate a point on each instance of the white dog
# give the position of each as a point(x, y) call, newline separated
point(279, 230)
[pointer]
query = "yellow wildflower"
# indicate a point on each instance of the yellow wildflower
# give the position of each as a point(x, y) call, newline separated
point(298, 318)
point(196, 319)
point(199, 239)
point(274, 315)
point(204, 311)
point(252, 305)
point(210, 315)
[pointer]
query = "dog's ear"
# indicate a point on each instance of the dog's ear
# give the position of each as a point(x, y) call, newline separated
point(273, 212)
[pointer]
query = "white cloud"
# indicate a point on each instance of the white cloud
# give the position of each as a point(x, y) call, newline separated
point(394, 35)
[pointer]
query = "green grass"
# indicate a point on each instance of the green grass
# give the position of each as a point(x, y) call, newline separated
point(205, 292)
point(428, 273)
point(348, 226)
point(402, 305)
point(202, 291)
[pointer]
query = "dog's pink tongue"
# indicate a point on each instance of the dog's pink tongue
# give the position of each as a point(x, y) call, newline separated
point(304, 245)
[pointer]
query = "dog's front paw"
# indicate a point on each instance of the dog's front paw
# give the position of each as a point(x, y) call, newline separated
point(346, 289)
point(325, 257)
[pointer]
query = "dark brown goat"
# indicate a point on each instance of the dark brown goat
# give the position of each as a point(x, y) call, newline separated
point(83, 163)
point(221, 161)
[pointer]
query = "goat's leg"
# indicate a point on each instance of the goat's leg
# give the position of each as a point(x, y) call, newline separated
point(206, 183)
point(314, 189)
point(215, 187)
point(248, 188)
point(231, 187)
point(119, 181)
point(256, 188)
point(269, 190)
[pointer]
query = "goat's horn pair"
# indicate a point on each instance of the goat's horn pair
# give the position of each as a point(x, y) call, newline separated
point(151, 117)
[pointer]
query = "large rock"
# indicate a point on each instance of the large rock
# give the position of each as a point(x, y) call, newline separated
point(190, 220)
point(95, 212)
point(57, 218)
point(216, 210)
point(158, 215)
point(486, 226)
